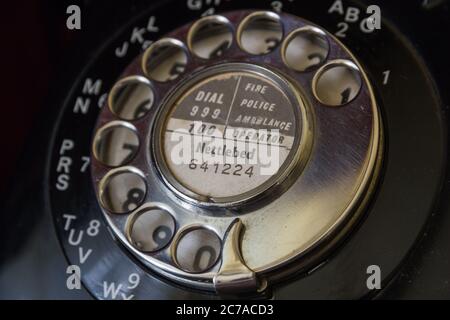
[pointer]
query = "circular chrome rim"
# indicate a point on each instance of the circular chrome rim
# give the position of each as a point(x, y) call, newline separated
point(318, 123)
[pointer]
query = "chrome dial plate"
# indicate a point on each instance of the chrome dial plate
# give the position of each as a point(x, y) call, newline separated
point(293, 215)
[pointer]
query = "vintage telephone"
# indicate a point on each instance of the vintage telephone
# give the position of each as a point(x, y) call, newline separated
point(207, 149)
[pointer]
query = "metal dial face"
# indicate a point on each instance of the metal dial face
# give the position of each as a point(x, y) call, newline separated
point(235, 147)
